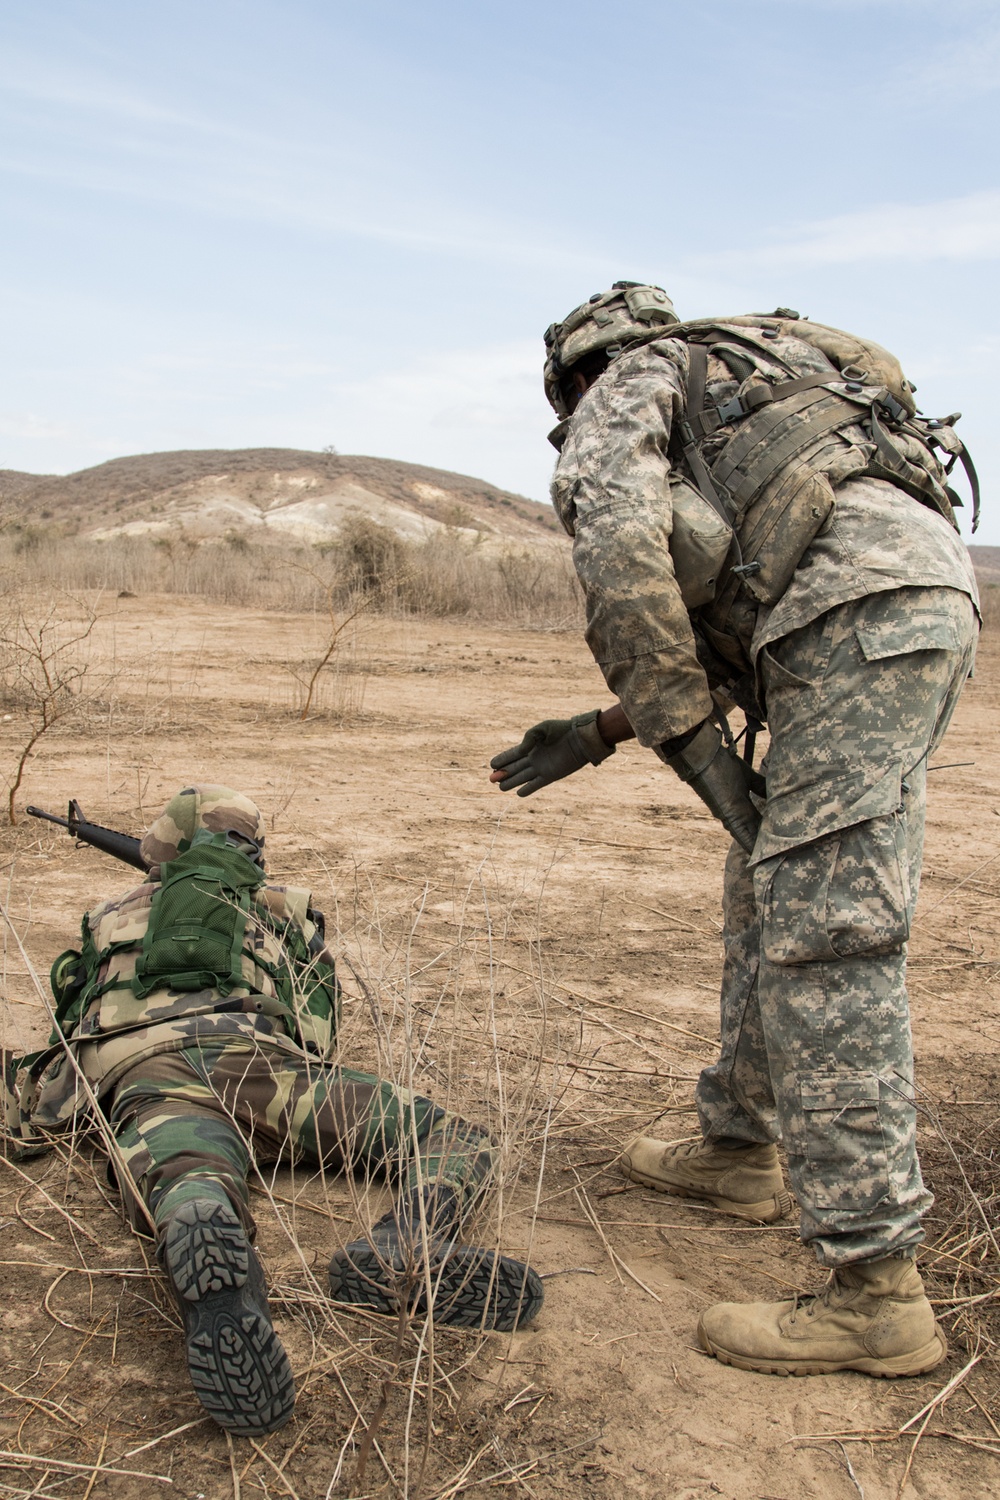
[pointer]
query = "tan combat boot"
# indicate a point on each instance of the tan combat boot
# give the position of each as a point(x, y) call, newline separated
point(746, 1182)
point(872, 1316)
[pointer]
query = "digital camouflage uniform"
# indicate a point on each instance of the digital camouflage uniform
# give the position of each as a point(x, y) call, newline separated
point(194, 1083)
point(858, 666)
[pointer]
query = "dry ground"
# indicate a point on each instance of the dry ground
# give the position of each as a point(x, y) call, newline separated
point(571, 943)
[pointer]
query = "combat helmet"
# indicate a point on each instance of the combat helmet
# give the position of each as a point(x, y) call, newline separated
point(607, 320)
point(218, 809)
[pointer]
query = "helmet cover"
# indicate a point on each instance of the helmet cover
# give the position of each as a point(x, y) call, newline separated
point(217, 809)
point(608, 320)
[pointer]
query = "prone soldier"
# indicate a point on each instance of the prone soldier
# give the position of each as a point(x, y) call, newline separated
point(199, 1016)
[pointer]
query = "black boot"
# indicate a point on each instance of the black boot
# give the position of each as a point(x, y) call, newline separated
point(239, 1369)
point(469, 1288)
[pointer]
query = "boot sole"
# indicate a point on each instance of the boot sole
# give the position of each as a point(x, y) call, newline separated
point(916, 1363)
point(238, 1366)
point(768, 1211)
point(470, 1288)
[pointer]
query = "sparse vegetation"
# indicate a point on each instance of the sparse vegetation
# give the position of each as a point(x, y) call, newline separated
point(547, 970)
point(43, 667)
point(449, 573)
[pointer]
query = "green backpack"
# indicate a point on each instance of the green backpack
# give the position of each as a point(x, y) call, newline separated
point(198, 919)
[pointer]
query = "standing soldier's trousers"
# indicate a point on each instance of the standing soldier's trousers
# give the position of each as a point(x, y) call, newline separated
point(816, 1044)
point(191, 1123)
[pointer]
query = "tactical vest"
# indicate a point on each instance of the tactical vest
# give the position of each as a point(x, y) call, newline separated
point(813, 406)
point(210, 935)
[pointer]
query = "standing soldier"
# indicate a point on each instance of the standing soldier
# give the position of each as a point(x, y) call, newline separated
point(760, 517)
point(201, 1014)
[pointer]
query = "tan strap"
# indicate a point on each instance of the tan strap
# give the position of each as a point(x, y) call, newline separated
point(697, 383)
point(767, 440)
point(709, 421)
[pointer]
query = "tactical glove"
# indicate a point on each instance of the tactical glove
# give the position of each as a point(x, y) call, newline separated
point(723, 782)
point(551, 750)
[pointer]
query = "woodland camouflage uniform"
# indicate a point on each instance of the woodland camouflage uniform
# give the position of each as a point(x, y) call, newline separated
point(856, 658)
point(193, 1082)
point(200, 1016)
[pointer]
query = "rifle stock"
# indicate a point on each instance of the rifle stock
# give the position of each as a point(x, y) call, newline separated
point(120, 845)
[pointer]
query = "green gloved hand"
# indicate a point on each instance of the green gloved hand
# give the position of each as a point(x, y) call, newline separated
point(722, 780)
point(549, 751)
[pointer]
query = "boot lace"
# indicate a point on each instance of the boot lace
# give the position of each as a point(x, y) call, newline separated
point(811, 1303)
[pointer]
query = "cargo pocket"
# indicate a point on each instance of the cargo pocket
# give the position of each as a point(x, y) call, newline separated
point(846, 895)
point(879, 639)
point(846, 1166)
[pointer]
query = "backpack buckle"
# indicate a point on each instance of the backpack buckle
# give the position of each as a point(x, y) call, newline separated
point(889, 404)
point(729, 411)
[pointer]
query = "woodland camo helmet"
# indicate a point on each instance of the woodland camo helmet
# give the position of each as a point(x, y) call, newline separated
point(607, 320)
point(216, 809)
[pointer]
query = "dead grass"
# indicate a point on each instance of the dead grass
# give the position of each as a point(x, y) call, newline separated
point(569, 1060)
point(450, 574)
point(385, 1405)
point(961, 1260)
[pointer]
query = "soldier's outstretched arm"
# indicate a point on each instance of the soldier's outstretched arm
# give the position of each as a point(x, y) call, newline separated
point(557, 747)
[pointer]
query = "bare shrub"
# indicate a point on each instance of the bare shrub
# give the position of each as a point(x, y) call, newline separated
point(370, 557)
point(43, 667)
point(334, 633)
point(450, 573)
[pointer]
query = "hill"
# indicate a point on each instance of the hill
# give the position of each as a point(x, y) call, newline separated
point(986, 561)
point(282, 495)
point(273, 493)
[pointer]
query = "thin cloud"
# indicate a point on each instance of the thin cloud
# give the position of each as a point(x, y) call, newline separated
point(957, 70)
point(445, 389)
point(21, 79)
point(962, 229)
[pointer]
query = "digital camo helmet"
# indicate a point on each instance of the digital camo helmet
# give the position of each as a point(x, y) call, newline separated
point(218, 809)
point(607, 320)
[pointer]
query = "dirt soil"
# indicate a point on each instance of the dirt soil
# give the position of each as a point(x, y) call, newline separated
point(608, 887)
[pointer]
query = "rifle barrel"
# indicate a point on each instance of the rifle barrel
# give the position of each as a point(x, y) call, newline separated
point(119, 845)
point(38, 812)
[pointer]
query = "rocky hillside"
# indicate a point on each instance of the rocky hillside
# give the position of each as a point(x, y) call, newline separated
point(278, 494)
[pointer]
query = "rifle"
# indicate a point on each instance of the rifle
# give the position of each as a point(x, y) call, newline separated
point(121, 845)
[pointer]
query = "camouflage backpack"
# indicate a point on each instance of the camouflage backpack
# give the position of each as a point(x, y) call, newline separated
point(768, 458)
point(754, 474)
point(196, 940)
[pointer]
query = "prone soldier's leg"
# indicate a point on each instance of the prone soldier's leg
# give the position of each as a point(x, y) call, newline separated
point(177, 1140)
point(346, 1120)
point(189, 1160)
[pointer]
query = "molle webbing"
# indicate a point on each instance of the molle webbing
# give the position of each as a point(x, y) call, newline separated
point(773, 437)
point(770, 435)
point(709, 420)
point(889, 463)
point(767, 458)
point(774, 505)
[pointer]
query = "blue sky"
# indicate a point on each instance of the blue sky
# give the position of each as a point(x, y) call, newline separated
point(235, 223)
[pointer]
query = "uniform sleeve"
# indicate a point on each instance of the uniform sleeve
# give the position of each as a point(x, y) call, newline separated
point(612, 492)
